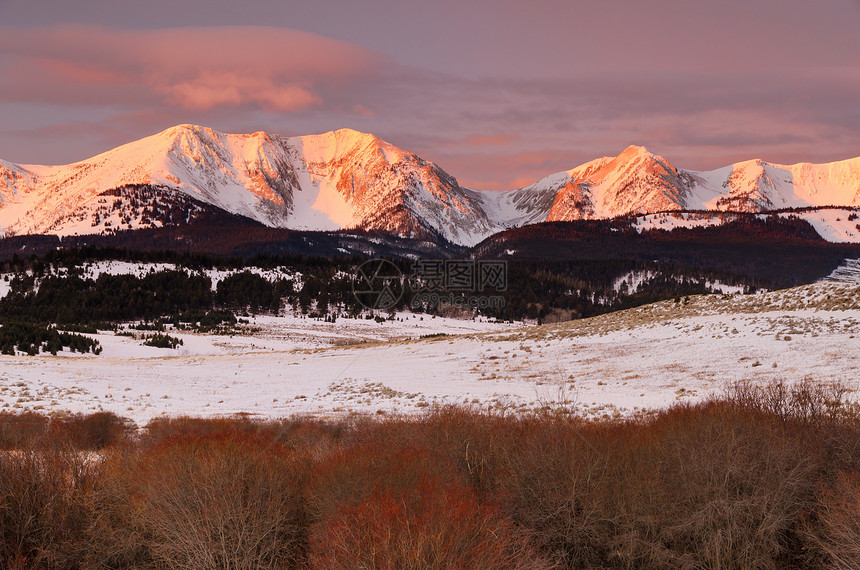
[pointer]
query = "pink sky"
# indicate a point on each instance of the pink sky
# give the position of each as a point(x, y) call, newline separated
point(498, 93)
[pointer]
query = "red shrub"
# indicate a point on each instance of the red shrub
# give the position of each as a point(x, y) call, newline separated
point(91, 431)
point(163, 428)
point(17, 430)
point(351, 474)
point(434, 525)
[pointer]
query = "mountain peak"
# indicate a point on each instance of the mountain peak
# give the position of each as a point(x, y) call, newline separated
point(199, 131)
point(640, 158)
point(335, 144)
point(635, 149)
point(184, 129)
point(635, 153)
point(352, 134)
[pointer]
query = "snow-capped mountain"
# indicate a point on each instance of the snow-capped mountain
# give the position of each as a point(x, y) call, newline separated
point(639, 182)
point(341, 179)
point(347, 179)
point(634, 181)
point(757, 186)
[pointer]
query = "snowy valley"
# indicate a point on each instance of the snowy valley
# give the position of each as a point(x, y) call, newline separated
point(619, 364)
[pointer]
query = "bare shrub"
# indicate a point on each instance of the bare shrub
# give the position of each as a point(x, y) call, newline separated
point(764, 477)
point(713, 486)
point(116, 537)
point(44, 507)
point(91, 431)
point(18, 430)
point(468, 440)
point(165, 428)
point(533, 463)
point(295, 432)
point(836, 536)
point(317, 439)
point(557, 477)
point(806, 401)
point(80, 431)
point(224, 501)
point(355, 472)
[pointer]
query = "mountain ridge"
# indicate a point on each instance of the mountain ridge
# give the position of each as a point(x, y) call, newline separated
point(346, 179)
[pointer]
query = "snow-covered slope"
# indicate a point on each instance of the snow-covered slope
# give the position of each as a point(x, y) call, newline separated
point(834, 224)
point(348, 179)
point(362, 181)
point(250, 175)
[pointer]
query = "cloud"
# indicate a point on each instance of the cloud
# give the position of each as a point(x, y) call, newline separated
point(501, 139)
point(232, 89)
point(500, 169)
point(696, 120)
point(498, 132)
point(274, 69)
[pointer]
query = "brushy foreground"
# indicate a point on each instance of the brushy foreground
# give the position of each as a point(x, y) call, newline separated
point(762, 477)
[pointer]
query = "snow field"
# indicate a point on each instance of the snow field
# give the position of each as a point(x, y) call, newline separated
point(618, 364)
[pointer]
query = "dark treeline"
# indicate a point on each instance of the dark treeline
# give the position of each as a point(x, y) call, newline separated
point(783, 251)
point(230, 240)
point(786, 251)
point(110, 298)
point(763, 477)
point(32, 339)
point(576, 289)
point(175, 296)
point(545, 291)
point(75, 256)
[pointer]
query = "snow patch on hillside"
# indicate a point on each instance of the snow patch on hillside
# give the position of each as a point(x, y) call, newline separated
point(848, 272)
